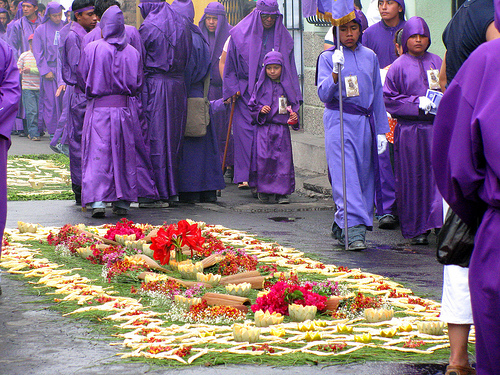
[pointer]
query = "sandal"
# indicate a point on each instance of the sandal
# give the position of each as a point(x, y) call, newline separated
point(459, 370)
point(243, 186)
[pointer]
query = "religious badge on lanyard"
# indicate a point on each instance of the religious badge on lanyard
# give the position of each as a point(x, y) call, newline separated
point(433, 78)
point(282, 104)
point(351, 86)
point(56, 38)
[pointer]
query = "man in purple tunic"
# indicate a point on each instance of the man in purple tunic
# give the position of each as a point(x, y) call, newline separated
point(365, 122)
point(200, 168)
point(256, 35)
point(167, 40)
point(419, 202)
point(85, 20)
point(9, 101)
point(465, 153)
point(24, 27)
point(112, 73)
point(45, 45)
point(215, 29)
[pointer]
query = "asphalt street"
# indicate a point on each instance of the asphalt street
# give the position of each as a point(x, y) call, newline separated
point(34, 340)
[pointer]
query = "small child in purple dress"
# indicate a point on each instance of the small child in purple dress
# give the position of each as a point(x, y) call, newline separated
point(273, 105)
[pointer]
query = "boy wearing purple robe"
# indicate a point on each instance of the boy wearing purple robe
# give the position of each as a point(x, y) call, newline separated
point(112, 73)
point(257, 34)
point(45, 49)
point(274, 104)
point(215, 29)
point(24, 26)
point(365, 125)
point(85, 20)
point(167, 41)
point(465, 153)
point(408, 79)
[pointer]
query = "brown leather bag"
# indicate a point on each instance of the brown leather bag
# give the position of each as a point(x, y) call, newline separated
point(198, 113)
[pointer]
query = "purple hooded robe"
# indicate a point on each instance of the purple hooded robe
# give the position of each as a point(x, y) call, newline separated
point(3, 29)
point(359, 133)
point(167, 41)
point(200, 168)
point(465, 153)
point(45, 49)
point(248, 45)
point(271, 168)
point(21, 30)
point(112, 72)
point(419, 202)
point(10, 96)
point(219, 119)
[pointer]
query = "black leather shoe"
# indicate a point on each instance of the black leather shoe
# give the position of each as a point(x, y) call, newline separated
point(388, 222)
point(419, 240)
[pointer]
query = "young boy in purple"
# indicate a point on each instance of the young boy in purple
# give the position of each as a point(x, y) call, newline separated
point(274, 102)
point(24, 27)
point(419, 202)
point(45, 49)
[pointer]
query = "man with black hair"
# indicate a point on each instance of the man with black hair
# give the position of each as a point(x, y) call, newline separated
point(24, 27)
point(84, 20)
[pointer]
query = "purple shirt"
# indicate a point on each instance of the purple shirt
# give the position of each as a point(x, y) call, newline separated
point(71, 51)
point(380, 39)
point(20, 32)
point(10, 88)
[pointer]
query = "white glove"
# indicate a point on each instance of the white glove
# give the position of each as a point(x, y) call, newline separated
point(425, 104)
point(381, 143)
point(338, 59)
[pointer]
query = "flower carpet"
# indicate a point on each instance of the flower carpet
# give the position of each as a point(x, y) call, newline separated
point(235, 299)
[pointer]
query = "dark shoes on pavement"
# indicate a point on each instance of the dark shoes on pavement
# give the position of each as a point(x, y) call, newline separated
point(388, 221)
point(357, 245)
point(98, 213)
point(421, 239)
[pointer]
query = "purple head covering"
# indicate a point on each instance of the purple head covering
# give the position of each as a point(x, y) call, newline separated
point(497, 14)
point(32, 2)
point(221, 32)
point(267, 7)
point(19, 12)
point(360, 19)
point(3, 28)
point(415, 25)
point(402, 3)
point(113, 27)
point(52, 8)
point(184, 8)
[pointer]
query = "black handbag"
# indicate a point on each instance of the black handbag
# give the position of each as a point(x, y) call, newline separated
point(455, 241)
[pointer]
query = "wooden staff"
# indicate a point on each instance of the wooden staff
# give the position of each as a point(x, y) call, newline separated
point(228, 133)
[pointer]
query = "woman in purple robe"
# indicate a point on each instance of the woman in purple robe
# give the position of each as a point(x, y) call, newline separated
point(45, 45)
point(365, 121)
point(215, 29)
point(112, 72)
point(465, 153)
point(167, 41)
point(418, 199)
point(257, 34)
point(273, 103)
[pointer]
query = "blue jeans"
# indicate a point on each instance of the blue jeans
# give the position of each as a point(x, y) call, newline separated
point(30, 104)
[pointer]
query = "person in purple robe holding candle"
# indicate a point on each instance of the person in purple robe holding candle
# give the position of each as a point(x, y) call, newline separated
point(112, 73)
point(260, 32)
point(274, 105)
point(215, 29)
point(84, 21)
point(9, 101)
point(167, 40)
point(365, 125)
point(45, 45)
point(465, 153)
point(408, 79)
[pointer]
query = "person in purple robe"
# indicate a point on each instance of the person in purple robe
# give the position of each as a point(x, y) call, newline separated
point(84, 21)
point(419, 202)
point(365, 125)
point(45, 49)
point(274, 105)
point(24, 26)
point(465, 153)
point(4, 21)
point(9, 101)
point(215, 29)
point(112, 73)
point(167, 41)
point(257, 34)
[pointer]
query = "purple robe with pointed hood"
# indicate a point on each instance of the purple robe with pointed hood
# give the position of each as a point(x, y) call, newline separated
point(45, 49)
point(272, 169)
point(167, 40)
point(112, 72)
point(9, 100)
point(419, 202)
point(465, 149)
point(249, 43)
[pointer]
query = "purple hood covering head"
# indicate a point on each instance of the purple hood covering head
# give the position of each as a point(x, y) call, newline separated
point(32, 2)
point(184, 8)
point(2, 10)
point(222, 30)
point(113, 27)
point(497, 14)
point(402, 3)
point(415, 25)
point(52, 8)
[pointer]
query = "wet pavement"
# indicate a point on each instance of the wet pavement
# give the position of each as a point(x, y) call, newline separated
point(34, 340)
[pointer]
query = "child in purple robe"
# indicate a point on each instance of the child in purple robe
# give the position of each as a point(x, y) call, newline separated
point(274, 104)
point(408, 79)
